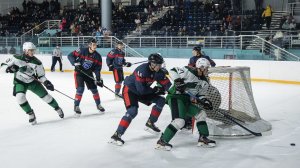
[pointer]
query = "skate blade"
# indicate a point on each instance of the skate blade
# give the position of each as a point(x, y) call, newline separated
point(33, 123)
point(114, 142)
point(151, 131)
point(203, 145)
point(165, 148)
point(101, 110)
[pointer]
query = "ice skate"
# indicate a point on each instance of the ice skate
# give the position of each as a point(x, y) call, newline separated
point(162, 145)
point(205, 142)
point(100, 108)
point(150, 127)
point(32, 118)
point(116, 139)
point(60, 112)
point(77, 111)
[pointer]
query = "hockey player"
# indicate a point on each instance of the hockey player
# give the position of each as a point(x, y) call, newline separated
point(30, 75)
point(192, 62)
point(86, 61)
point(193, 80)
point(137, 89)
point(196, 55)
point(115, 61)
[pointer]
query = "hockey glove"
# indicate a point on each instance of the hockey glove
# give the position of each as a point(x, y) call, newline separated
point(99, 82)
point(179, 85)
point(159, 90)
point(78, 66)
point(110, 67)
point(12, 69)
point(207, 105)
point(49, 85)
point(127, 64)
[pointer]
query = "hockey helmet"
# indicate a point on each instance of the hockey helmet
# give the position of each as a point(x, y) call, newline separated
point(92, 40)
point(28, 46)
point(155, 58)
point(202, 63)
point(197, 48)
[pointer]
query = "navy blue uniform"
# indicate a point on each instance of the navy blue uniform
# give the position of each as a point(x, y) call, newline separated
point(90, 62)
point(115, 61)
point(194, 59)
point(137, 89)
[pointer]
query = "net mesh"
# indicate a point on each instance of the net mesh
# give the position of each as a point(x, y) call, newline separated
point(232, 94)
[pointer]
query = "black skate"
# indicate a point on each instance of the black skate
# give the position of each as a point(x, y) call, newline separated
point(116, 139)
point(163, 145)
point(100, 108)
point(32, 119)
point(77, 111)
point(60, 112)
point(205, 142)
point(150, 127)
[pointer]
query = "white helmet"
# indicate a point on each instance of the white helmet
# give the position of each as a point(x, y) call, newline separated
point(202, 63)
point(28, 46)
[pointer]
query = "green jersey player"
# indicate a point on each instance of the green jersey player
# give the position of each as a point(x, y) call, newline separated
point(192, 80)
point(29, 74)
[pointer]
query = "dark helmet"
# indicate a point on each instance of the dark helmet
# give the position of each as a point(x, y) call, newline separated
point(120, 42)
point(197, 49)
point(155, 58)
point(92, 40)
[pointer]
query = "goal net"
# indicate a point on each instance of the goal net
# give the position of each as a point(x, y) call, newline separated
point(233, 97)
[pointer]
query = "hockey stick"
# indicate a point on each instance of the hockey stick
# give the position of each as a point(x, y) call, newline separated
point(139, 62)
point(229, 117)
point(2, 64)
point(103, 84)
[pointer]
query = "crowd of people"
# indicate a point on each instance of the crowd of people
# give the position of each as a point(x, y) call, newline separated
point(187, 18)
point(18, 22)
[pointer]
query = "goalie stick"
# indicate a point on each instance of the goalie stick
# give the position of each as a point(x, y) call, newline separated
point(229, 117)
point(103, 84)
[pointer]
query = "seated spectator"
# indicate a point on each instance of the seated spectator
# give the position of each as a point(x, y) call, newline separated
point(286, 25)
point(293, 24)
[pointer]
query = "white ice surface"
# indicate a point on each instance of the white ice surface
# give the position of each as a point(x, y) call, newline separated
point(82, 142)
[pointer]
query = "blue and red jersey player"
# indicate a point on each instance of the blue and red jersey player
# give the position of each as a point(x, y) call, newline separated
point(115, 61)
point(87, 61)
point(196, 55)
point(137, 89)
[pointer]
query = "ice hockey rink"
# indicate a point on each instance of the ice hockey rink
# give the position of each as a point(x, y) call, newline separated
point(83, 142)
